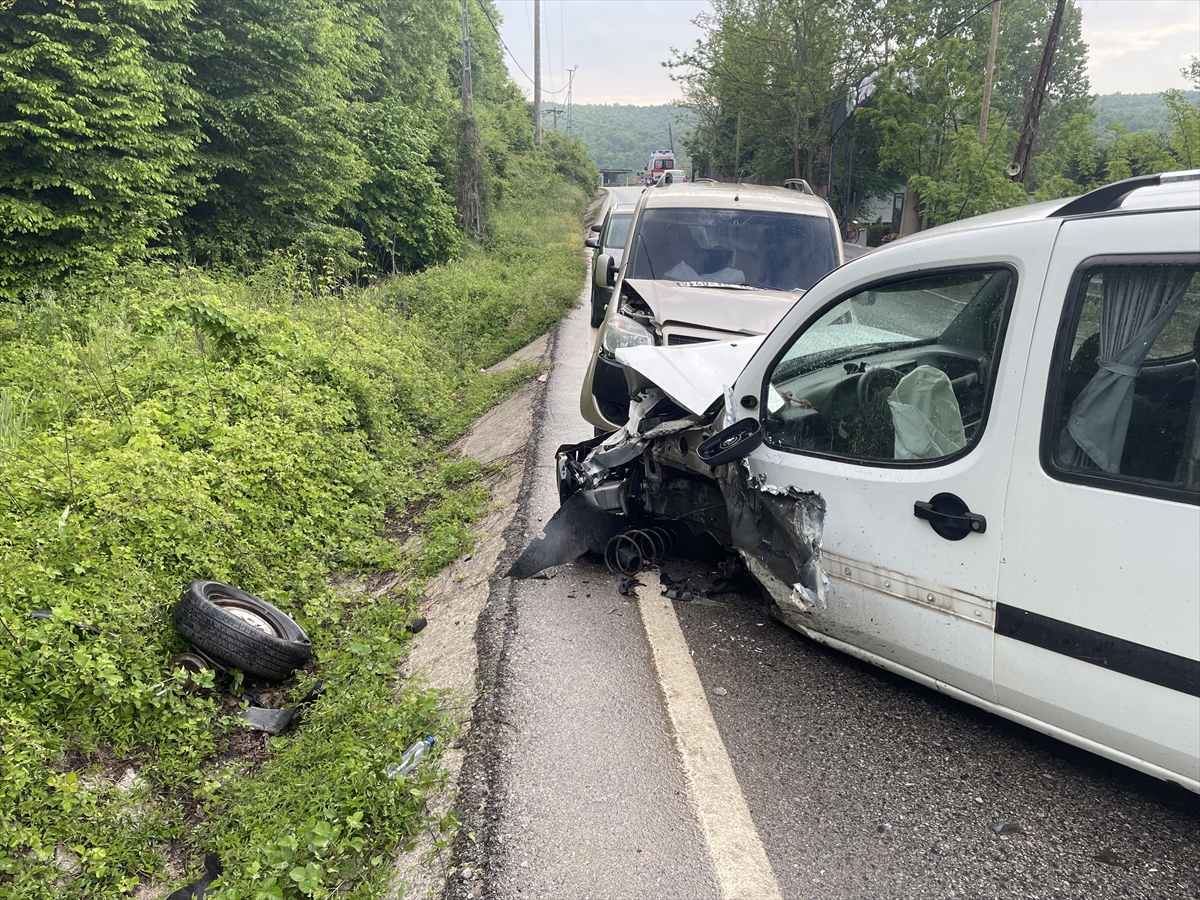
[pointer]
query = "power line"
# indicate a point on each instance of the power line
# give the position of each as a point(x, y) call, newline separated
point(487, 16)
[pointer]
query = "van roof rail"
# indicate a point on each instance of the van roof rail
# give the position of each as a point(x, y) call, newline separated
point(1109, 197)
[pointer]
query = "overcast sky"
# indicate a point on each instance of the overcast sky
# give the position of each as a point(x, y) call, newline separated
point(1137, 46)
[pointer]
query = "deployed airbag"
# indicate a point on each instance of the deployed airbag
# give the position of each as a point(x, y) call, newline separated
point(925, 415)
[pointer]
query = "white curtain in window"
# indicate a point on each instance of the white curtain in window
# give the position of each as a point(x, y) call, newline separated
point(1136, 304)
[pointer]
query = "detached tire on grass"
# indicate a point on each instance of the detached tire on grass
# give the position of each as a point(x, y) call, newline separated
point(240, 630)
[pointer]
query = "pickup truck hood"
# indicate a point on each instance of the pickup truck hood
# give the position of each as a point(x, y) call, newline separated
point(729, 309)
point(694, 376)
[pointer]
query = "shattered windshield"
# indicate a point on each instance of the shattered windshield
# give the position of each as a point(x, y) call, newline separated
point(961, 309)
point(781, 251)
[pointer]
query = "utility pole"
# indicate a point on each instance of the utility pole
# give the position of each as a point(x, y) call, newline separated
point(537, 72)
point(1018, 169)
point(556, 112)
point(570, 84)
point(987, 79)
point(467, 92)
point(470, 149)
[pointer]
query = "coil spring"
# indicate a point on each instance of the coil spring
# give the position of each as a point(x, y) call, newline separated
point(630, 552)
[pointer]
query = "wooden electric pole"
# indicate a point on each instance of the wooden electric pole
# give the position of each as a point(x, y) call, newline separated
point(470, 149)
point(987, 78)
point(537, 72)
point(1018, 170)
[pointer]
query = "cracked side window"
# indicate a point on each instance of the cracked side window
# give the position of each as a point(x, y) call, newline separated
point(901, 372)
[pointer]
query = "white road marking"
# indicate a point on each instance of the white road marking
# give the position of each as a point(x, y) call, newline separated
point(739, 860)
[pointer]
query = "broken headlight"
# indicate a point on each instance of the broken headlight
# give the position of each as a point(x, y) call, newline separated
point(621, 331)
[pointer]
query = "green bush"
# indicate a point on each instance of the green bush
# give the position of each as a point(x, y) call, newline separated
point(267, 432)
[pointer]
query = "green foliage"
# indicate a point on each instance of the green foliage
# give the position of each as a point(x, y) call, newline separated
point(1134, 112)
point(95, 134)
point(569, 158)
point(273, 85)
point(405, 216)
point(784, 66)
point(265, 431)
point(224, 133)
point(621, 136)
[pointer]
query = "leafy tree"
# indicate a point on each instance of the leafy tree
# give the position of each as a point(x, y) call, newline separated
point(95, 131)
point(570, 160)
point(1184, 118)
point(783, 65)
point(406, 218)
point(273, 82)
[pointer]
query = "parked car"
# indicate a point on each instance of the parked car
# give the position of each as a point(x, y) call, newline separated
point(671, 176)
point(609, 241)
point(707, 262)
point(971, 457)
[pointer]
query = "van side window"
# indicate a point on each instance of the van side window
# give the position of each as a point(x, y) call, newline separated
point(900, 373)
point(1125, 392)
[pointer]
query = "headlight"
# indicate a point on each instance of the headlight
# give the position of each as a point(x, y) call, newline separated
point(621, 331)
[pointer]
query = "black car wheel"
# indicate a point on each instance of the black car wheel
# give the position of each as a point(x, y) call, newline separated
point(241, 630)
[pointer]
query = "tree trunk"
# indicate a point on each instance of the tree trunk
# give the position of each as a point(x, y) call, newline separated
point(910, 219)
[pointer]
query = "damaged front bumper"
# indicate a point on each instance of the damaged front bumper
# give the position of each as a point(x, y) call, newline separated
point(656, 471)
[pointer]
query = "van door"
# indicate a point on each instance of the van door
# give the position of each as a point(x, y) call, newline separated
point(895, 400)
point(1098, 624)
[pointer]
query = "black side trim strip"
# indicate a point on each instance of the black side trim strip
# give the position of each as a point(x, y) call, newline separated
point(1179, 673)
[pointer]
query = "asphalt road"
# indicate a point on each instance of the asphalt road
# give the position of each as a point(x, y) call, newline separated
point(859, 783)
point(863, 784)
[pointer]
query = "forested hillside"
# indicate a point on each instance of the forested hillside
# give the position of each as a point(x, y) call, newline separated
point(621, 136)
point(1136, 113)
point(240, 322)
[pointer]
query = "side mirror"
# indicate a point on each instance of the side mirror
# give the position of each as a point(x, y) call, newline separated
point(732, 443)
point(605, 271)
point(591, 242)
point(596, 228)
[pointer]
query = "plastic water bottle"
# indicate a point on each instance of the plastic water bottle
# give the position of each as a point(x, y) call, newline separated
point(412, 757)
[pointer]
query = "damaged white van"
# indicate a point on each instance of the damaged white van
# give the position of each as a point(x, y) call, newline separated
point(972, 458)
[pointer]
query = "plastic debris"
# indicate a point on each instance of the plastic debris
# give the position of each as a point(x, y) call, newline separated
point(79, 626)
point(412, 758)
point(678, 592)
point(625, 588)
point(1003, 828)
point(274, 721)
point(199, 888)
point(417, 624)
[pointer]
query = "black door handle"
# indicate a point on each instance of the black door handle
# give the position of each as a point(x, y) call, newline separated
point(949, 517)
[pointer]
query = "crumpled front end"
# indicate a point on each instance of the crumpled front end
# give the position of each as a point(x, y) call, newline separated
point(651, 473)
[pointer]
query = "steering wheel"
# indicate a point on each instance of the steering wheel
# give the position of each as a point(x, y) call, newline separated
point(874, 382)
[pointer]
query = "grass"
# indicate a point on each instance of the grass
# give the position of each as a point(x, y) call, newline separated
point(258, 430)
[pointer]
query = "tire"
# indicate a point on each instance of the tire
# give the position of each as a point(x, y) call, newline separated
point(240, 630)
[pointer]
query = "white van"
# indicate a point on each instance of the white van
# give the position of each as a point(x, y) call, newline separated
point(971, 458)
